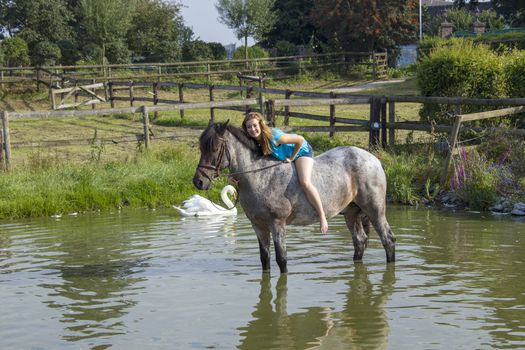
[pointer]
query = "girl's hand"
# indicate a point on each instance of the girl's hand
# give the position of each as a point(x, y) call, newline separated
point(287, 160)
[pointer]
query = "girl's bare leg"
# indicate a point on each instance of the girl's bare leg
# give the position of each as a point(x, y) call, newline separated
point(304, 167)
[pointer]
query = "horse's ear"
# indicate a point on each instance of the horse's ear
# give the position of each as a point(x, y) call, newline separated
point(221, 127)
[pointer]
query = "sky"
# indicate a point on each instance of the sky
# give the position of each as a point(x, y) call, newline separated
point(201, 16)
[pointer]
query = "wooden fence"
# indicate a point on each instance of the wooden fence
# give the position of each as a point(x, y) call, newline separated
point(381, 124)
point(66, 76)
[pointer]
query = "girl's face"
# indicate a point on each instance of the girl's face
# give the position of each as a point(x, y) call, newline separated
point(253, 127)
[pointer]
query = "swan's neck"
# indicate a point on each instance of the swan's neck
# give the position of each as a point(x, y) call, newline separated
point(225, 199)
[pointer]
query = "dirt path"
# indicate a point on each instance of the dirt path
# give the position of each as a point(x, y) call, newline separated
point(367, 85)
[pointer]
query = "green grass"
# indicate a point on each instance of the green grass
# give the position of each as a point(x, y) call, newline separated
point(154, 179)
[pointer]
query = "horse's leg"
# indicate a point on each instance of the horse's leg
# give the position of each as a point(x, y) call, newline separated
point(374, 207)
point(354, 223)
point(263, 237)
point(278, 231)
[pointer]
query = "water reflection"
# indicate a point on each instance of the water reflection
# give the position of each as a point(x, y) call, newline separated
point(99, 263)
point(274, 328)
point(362, 322)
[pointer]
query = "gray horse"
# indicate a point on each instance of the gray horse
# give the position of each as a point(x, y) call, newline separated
point(350, 181)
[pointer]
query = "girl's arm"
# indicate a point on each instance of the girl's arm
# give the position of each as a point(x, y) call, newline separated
point(294, 139)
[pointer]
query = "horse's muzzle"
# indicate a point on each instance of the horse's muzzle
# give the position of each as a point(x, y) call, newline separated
point(200, 183)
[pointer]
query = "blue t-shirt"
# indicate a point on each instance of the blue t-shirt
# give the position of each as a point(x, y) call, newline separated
point(285, 150)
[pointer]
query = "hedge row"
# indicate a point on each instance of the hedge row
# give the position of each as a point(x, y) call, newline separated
point(460, 67)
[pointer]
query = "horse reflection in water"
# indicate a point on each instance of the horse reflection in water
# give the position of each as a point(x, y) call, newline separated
point(362, 323)
point(350, 181)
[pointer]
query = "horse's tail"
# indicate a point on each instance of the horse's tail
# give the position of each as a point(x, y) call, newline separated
point(365, 221)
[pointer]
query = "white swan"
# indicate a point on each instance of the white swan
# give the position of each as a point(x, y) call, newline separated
point(199, 206)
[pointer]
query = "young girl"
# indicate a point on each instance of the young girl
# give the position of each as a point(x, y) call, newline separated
point(288, 148)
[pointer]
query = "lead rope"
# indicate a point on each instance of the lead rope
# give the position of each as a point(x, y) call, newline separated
point(238, 173)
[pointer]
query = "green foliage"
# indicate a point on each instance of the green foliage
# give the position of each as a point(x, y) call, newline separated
point(365, 25)
point(512, 10)
point(248, 18)
point(218, 51)
point(253, 52)
point(322, 143)
point(15, 52)
point(459, 68)
point(475, 180)
point(106, 21)
point(46, 53)
point(292, 23)
point(196, 50)
point(514, 70)
point(285, 48)
point(157, 179)
point(118, 52)
point(402, 172)
point(157, 37)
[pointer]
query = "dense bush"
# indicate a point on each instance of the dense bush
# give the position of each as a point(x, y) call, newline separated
point(253, 52)
point(118, 52)
point(15, 52)
point(196, 50)
point(514, 69)
point(46, 53)
point(218, 51)
point(285, 48)
point(459, 68)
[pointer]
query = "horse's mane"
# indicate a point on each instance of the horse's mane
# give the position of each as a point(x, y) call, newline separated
point(208, 139)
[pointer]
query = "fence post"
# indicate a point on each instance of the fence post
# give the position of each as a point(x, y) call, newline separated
point(287, 96)
point(111, 95)
point(383, 122)
point(7, 143)
point(212, 110)
point(131, 97)
point(181, 98)
point(208, 73)
point(155, 97)
point(374, 66)
point(145, 122)
point(270, 113)
point(249, 92)
point(93, 81)
point(391, 121)
point(37, 80)
point(2, 78)
point(452, 146)
point(373, 135)
point(332, 114)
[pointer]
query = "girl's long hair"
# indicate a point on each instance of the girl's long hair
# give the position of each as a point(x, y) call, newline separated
point(266, 132)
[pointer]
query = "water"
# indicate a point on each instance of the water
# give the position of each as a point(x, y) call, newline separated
point(151, 280)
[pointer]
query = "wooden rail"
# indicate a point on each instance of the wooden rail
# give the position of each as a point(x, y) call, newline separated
point(101, 73)
point(381, 123)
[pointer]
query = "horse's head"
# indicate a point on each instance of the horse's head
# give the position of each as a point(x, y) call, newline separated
point(214, 155)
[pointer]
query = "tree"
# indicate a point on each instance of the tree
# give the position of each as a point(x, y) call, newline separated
point(248, 18)
point(512, 10)
point(37, 21)
point(292, 23)
point(196, 50)
point(105, 21)
point(218, 51)
point(15, 52)
point(157, 37)
point(366, 24)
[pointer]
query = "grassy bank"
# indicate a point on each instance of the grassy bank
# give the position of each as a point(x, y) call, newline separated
point(158, 178)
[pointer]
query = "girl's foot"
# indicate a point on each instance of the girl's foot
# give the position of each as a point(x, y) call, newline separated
point(324, 226)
